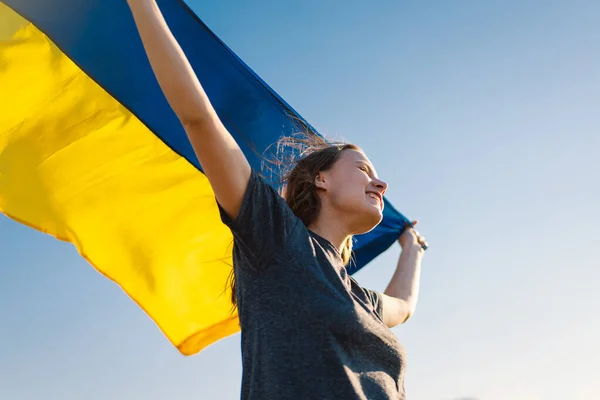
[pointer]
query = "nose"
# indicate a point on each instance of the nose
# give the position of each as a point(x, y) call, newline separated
point(380, 185)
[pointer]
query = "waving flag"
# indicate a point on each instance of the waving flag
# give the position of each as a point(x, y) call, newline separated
point(91, 153)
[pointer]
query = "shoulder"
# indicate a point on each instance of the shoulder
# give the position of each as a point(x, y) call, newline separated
point(265, 224)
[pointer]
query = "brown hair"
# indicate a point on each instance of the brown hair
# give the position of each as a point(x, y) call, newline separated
point(298, 161)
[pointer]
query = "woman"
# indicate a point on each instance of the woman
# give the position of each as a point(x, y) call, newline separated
point(309, 331)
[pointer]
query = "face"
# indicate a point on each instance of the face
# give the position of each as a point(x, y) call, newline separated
point(352, 190)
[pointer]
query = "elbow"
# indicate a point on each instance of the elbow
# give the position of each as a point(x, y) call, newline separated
point(396, 320)
point(402, 314)
point(198, 121)
point(407, 315)
point(192, 120)
point(410, 309)
point(194, 111)
point(407, 312)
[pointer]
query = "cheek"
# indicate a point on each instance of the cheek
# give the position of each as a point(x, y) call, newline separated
point(350, 190)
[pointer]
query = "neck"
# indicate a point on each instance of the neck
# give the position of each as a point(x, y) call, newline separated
point(330, 229)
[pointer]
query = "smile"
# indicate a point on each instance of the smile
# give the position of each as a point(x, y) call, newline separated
point(377, 197)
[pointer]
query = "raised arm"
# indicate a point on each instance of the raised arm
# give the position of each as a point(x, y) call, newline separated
point(222, 160)
point(401, 295)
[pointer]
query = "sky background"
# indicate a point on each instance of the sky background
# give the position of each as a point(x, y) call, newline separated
point(483, 116)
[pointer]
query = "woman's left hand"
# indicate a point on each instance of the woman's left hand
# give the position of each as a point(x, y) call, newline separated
point(410, 237)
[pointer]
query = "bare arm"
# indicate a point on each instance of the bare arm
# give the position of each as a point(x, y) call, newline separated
point(401, 295)
point(222, 160)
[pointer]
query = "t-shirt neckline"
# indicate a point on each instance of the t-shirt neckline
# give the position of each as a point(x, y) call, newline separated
point(326, 243)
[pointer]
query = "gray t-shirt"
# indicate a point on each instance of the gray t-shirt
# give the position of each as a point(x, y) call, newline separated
point(308, 330)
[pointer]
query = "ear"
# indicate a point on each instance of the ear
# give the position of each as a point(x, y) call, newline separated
point(320, 181)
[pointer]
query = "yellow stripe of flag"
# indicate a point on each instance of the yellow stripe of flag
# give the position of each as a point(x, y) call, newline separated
point(76, 164)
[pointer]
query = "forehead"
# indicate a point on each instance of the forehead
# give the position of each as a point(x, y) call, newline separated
point(355, 156)
point(351, 158)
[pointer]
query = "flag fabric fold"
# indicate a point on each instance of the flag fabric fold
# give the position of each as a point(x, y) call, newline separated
point(91, 153)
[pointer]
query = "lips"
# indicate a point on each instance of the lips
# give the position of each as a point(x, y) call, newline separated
point(376, 196)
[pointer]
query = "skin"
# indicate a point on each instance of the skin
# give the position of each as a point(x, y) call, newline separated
point(347, 207)
point(351, 197)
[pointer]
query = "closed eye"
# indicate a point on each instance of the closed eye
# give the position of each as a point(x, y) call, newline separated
point(367, 170)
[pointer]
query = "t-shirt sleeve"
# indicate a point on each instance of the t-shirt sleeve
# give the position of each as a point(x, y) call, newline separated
point(264, 223)
point(376, 301)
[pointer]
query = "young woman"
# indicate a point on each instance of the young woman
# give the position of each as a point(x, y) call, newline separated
point(309, 331)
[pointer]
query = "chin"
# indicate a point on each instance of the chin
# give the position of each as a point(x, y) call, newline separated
point(369, 221)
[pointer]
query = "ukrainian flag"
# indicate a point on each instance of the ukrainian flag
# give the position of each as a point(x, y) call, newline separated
point(91, 153)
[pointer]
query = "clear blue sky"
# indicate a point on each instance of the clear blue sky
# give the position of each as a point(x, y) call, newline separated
point(482, 116)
